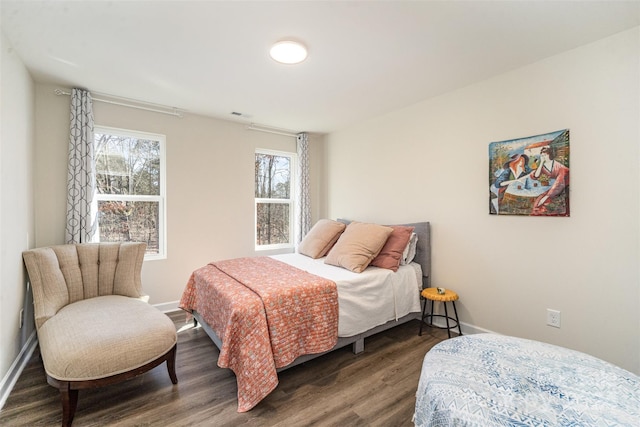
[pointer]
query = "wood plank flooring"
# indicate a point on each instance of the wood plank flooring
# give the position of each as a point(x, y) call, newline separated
point(374, 388)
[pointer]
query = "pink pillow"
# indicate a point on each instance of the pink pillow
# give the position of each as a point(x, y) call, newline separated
point(391, 253)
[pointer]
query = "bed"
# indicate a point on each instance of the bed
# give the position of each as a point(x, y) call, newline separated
point(344, 307)
point(494, 380)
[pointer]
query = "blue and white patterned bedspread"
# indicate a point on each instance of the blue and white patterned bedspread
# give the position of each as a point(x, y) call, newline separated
point(493, 380)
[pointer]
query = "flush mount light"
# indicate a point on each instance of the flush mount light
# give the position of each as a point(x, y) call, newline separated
point(288, 52)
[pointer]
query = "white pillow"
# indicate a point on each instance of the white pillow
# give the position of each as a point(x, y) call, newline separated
point(410, 250)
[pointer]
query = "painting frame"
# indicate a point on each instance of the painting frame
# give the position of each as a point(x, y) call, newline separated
point(530, 176)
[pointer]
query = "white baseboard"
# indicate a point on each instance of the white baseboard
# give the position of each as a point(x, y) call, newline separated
point(467, 328)
point(166, 307)
point(17, 367)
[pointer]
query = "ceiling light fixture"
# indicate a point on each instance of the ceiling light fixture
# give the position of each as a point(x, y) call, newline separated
point(288, 52)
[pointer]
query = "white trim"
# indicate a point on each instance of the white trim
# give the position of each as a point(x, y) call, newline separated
point(161, 199)
point(167, 307)
point(18, 365)
point(291, 201)
point(467, 328)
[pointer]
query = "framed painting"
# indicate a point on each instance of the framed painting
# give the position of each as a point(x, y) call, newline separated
point(530, 176)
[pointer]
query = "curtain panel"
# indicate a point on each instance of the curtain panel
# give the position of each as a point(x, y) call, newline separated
point(81, 179)
point(304, 199)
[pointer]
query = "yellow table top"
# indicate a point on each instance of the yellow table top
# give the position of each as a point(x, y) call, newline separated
point(432, 294)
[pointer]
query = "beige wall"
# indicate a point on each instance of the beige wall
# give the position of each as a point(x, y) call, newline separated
point(210, 179)
point(16, 205)
point(430, 162)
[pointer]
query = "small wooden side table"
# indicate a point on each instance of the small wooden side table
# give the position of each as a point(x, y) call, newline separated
point(431, 294)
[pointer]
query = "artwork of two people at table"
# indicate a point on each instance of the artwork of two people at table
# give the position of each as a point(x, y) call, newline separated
point(530, 176)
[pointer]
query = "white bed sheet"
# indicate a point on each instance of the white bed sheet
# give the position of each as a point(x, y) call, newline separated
point(367, 299)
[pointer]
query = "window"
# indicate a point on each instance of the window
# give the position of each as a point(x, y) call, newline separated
point(130, 188)
point(274, 199)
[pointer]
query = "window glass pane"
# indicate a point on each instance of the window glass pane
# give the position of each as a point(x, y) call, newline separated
point(121, 221)
point(272, 223)
point(273, 176)
point(127, 165)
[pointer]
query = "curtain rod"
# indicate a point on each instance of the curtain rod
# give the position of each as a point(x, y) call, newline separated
point(268, 129)
point(128, 103)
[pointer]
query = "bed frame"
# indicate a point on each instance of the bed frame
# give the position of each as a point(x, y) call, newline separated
point(423, 257)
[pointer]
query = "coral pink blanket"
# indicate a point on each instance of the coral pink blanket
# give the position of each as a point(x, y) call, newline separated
point(266, 313)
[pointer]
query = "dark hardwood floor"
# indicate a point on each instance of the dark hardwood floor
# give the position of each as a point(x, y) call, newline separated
point(374, 388)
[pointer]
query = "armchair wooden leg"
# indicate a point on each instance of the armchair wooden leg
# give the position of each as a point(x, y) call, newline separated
point(69, 389)
point(171, 365)
point(69, 399)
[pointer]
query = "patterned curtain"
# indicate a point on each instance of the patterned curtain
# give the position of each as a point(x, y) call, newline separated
point(81, 181)
point(304, 200)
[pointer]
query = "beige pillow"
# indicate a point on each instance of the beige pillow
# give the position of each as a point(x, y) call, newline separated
point(321, 238)
point(358, 246)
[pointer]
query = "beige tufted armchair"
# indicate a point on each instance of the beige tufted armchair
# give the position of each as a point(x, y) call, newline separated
point(94, 325)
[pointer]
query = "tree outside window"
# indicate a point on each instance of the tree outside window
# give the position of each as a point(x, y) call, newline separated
point(130, 188)
point(274, 199)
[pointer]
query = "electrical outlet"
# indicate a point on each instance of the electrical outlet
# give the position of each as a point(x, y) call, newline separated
point(553, 318)
point(21, 318)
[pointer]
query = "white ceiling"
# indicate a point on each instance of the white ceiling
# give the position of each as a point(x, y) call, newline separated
point(365, 58)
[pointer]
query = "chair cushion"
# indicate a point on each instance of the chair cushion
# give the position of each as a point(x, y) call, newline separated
point(103, 336)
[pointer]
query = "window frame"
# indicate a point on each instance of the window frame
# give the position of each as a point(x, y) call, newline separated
point(161, 198)
point(291, 201)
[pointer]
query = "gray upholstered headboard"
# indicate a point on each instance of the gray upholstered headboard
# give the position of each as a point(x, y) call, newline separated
point(423, 248)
